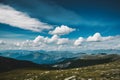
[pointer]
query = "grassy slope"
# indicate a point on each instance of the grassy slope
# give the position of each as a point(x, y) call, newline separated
point(108, 71)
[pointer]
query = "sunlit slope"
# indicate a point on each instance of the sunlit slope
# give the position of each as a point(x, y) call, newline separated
point(107, 71)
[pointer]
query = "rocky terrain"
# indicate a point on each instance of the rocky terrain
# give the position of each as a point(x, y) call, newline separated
point(105, 71)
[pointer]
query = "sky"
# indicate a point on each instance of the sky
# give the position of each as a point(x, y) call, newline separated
point(63, 25)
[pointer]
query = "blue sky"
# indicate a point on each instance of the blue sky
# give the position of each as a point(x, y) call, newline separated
point(29, 23)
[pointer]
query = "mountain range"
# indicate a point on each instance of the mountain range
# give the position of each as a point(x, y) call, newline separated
point(7, 64)
point(50, 57)
point(39, 57)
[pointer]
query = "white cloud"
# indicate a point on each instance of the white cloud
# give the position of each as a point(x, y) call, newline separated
point(57, 40)
point(63, 41)
point(2, 42)
point(63, 44)
point(54, 40)
point(98, 37)
point(62, 30)
point(17, 44)
point(39, 39)
point(79, 41)
point(12, 17)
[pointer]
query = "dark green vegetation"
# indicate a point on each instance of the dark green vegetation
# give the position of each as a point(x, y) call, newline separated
point(8, 64)
point(102, 71)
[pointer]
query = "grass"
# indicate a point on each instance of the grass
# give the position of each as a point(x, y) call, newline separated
point(108, 71)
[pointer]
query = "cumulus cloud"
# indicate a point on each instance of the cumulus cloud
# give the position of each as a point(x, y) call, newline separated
point(63, 41)
point(39, 39)
point(62, 30)
point(79, 41)
point(56, 42)
point(2, 42)
point(14, 18)
point(53, 40)
point(97, 37)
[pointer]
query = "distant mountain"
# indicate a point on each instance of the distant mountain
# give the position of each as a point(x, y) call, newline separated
point(109, 51)
point(40, 57)
point(7, 64)
point(14, 53)
point(49, 57)
point(86, 61)
point(64, 54)
point(52, 57)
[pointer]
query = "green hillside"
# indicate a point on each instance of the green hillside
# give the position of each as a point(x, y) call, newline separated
point(107, 71)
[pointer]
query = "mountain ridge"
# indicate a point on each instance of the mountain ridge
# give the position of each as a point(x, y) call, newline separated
point(7, 64)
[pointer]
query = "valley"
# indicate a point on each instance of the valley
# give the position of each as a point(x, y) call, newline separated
point(88, 67)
